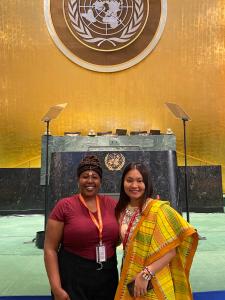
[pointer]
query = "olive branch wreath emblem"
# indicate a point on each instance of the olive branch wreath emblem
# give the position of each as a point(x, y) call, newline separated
point(114, 161)
point(86, 35)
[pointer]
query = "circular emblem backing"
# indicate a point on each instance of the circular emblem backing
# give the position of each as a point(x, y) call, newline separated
point(106, 35)
point(114, 161)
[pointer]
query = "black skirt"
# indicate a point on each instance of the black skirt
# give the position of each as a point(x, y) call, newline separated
point(82, 280)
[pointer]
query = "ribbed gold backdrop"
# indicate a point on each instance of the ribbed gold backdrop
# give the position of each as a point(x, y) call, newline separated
point(187, 67)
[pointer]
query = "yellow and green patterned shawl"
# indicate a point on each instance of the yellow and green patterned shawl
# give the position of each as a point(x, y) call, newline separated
point(160, 229)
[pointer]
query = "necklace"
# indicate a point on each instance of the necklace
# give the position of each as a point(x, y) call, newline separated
point(129, 220)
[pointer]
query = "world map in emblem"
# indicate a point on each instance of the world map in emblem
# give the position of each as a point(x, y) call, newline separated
point(106, 35)
point(106, 25)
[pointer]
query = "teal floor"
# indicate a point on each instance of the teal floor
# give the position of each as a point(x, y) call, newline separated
point(21, 263)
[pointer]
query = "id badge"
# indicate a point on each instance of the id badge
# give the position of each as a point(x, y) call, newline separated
point(100, 253)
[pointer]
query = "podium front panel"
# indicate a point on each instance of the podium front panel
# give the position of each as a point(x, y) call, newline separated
point(162, 165)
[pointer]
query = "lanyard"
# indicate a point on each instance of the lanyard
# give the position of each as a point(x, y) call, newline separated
point(98, 223)
point(129, 227)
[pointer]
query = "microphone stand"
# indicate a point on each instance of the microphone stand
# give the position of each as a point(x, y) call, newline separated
point(179, 113)
point(46, 173)
point(185, 169)
point(52, 113)
point(40, 235)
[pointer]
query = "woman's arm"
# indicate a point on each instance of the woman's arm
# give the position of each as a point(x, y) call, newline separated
point(162, 262)
point(53, 235)
point(140, 283)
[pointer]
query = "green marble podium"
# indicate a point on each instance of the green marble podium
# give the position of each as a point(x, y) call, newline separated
point(162, 142)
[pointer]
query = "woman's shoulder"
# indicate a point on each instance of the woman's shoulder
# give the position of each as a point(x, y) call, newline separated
point(159, 203)
point(63, 202)
point(64, 207)
point(156, 206)
point(164, 208)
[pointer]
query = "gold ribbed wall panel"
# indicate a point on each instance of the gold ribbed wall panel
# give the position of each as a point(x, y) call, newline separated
point(187, 67)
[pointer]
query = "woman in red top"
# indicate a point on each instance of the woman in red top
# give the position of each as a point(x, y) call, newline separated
point(80, 241)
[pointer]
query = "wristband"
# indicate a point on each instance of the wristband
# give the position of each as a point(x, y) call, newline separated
point(151, 273)
point(146, 276)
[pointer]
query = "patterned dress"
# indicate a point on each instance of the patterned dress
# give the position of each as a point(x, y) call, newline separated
point(160, 229)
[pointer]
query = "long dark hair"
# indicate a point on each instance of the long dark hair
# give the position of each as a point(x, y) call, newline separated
point(124, 198)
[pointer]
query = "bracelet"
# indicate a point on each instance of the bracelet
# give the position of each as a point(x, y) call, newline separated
point(148, 275)
point(152, 274)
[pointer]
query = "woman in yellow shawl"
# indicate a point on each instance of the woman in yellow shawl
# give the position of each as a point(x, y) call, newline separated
point(158, 243)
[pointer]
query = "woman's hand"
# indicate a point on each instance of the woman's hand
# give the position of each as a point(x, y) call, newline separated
point(140, 286)
point(60, 294)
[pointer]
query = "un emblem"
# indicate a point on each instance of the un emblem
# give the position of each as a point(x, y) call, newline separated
point(106, 35)
point(106, 25)
point(114, 161)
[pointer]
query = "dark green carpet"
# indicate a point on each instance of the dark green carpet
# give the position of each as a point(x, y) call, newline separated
point(21, 263)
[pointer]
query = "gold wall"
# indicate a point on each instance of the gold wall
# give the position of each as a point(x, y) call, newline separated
point(187, 67)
